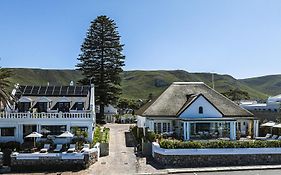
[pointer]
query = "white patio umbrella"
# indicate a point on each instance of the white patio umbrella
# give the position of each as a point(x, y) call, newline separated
point(277, 126)
point(66, 134)
point(270, 124)
point(34, 135)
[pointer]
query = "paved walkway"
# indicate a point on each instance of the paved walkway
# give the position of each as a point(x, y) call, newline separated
point(121, 159)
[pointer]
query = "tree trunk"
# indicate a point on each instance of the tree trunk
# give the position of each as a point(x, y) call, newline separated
point(101, 112)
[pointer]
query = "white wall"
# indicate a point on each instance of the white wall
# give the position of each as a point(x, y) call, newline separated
point(209, 111)
point(141, 122)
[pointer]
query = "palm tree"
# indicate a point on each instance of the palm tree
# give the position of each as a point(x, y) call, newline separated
point(5, 83)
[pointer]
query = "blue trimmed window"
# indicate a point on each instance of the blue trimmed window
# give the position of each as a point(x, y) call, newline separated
point(200, 110)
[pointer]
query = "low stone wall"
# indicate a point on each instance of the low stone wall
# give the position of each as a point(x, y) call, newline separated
point(214, 157)
point(191, 161)
point(53, 162)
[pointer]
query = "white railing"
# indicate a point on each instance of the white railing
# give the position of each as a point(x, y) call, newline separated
point(8, 115)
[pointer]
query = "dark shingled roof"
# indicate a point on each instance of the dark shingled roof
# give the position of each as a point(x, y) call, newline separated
point(53, 90)
point(180, 94)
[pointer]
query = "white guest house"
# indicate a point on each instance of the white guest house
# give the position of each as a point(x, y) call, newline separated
point(193, 110)
point(51, 109)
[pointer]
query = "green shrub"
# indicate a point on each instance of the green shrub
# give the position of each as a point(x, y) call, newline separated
point(177, 144)
point(101, 136)
point(10, 145)
point(105, 135)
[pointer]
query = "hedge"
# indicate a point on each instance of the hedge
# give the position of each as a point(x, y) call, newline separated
point(10, 145)
point(101, 136)
point(177, 144)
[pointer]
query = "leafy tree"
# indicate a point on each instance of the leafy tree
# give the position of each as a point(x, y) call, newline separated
point(5, 98)
point(236, 94)
point(101, 61)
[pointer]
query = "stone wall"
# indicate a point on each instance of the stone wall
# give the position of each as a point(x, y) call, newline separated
point(190, 161)
point(53, 163)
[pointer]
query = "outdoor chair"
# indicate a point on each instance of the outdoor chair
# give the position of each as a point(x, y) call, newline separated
point(58, 148)
point(45, 148)
point(279, 138)
point(71, 148)
point(274, 137)
point(263, 138)
point(86, 147)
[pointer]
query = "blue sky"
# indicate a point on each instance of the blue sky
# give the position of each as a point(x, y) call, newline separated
point(236, 37)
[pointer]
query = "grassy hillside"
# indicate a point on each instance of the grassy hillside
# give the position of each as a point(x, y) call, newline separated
point(270, 84)
point(43, 76)
point(136, 84)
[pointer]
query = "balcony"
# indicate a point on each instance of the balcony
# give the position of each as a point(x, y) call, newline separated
point(72, 115)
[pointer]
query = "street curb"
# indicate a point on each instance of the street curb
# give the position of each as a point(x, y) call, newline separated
point(217, 169)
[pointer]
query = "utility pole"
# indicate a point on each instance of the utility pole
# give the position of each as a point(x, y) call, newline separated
point(213, 80)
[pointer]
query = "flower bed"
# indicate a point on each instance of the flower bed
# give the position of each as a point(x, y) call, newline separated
point(177, 144)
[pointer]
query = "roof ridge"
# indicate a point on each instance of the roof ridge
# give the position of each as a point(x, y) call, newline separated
point(187, 82)
point(228, 99)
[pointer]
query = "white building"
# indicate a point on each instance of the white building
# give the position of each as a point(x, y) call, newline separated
point(192, 110)
point(109, 112)
point(49, 108)
point(272, 104)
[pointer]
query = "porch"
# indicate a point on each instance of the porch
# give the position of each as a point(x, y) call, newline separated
point(209, 129)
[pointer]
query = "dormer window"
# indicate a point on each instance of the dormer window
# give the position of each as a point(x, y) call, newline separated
point(200, 110)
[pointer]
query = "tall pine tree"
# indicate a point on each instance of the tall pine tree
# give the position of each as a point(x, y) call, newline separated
point(101, 61)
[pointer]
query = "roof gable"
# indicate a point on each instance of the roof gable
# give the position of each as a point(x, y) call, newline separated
point(191, 110)
point(172, 100)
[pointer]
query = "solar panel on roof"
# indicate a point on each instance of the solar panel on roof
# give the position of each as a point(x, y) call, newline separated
point(42, 90)
point(49, 90)
point(85, 90)
point(64, 90)
point(35, 90)
point(78, 90)
point(70, 90)
point(21, 88)
point(27, 90)
point(56, 90)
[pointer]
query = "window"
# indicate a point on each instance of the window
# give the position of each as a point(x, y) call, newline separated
point(169, 127)
point(155, 125)
point(158, 127)
point(55, 129)
point(24, 106)
point(200, 110)
point(164, 127)
point(78, 106)
point(63, 106)
point(41, 106)
point(7, 132)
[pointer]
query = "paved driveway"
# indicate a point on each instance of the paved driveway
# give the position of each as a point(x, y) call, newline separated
point(121, 159)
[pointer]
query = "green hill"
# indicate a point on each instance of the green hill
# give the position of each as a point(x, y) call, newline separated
point(270, 84)
point(138, 84)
